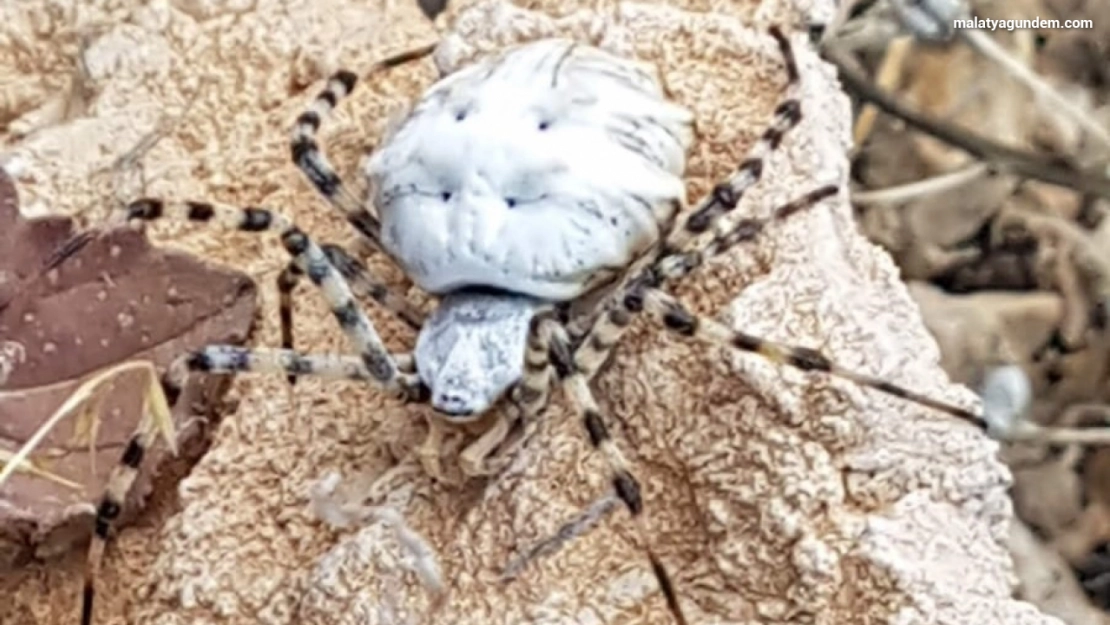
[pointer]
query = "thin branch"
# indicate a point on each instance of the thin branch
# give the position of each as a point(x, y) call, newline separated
point(1033, 433)
point(870, 31)
point(922, 188)
point(839, 19)
point(1004, 159)
point(1043, 92)
point(888, 77)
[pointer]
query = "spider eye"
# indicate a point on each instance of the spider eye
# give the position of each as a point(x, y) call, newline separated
point(510, 202)
point(461, 115)
point(445, 196)
point(544, 125)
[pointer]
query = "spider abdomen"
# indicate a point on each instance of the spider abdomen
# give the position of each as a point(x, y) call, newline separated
point(531, 171)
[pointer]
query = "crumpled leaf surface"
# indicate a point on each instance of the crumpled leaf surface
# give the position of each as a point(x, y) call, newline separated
point(774, 496)
point(72, 303)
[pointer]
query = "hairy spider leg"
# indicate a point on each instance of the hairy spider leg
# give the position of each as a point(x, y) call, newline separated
point(313, 163)
point(576, 385)
point(213, 359)
point(575, 368)
point(111, 503)
point(708, 214)
point(364, 284)
point(374, 363)
point(608, 328)
point(726, 195)
point(664, 308)
point(534, 389)
point(314, 262)
point(310, 159)
point(707, 231)
point(644, 294)
point(223, 359)
point(677, 318)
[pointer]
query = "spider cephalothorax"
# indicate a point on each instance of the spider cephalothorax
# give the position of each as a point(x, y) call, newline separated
point(538, 194)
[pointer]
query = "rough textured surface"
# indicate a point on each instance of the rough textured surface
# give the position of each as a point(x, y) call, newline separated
point(775, 497)
point(71, 305)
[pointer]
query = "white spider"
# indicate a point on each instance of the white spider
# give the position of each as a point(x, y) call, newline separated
point(538, 194)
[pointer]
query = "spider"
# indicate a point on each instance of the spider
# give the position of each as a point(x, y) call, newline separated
point(538, 194)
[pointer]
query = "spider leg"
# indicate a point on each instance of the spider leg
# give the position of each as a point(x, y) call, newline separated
point(529, 396)
point(363, 285)
point(726, 234)
point(642, 294)
point(676, 318)
point(534, 389)
point(225, 359)
point(576, 368)
point(314, 261)
point(617, 312)
point(705, 228)
point(111, 503)
point(287, 280)
point(576, 384)
point(308, 157)
point(726, 195)
point(532, 394)
point(213, 359)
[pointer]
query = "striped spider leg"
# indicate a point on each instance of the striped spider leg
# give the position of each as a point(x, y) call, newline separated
point(308, 157)
point(363, 285)
point(313, 163)
point(577, 351)
point(373, 363)
point(700, 234)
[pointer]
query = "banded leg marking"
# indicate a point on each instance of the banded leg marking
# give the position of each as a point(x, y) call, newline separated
point(534, 389)
point(610, 326)
point(315, 264)
point(726, 195)
point(311, 160)
point(676, 318)
point(576, 384)
point(727, 235)
point(120, 481)
point(363, 285)
point(227, 359)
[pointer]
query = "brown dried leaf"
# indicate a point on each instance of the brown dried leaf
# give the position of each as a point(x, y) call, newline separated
point(71, 305)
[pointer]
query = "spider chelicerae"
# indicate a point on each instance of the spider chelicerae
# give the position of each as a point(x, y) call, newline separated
point(538, 194)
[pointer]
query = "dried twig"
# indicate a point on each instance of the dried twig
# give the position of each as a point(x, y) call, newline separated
point(923, 188)
point(1044, 93)
point(1002, 158)
point(155, 407)
point(581, 524)
point(890, 71)
point(839, 19)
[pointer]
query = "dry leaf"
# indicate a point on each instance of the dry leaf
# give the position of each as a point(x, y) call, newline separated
point(71, 305)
